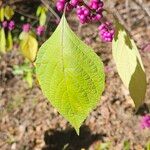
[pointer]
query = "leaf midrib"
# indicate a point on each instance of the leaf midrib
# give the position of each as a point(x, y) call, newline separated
point(63, 68)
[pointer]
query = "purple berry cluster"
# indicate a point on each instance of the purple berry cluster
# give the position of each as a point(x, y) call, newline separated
point(26, 27)
point(9, 25)
point(70, 4)
point(145, 122)
point(39, 30)
point(4, 24)
point(106, 32)
point(60, 5)
point(89, 12)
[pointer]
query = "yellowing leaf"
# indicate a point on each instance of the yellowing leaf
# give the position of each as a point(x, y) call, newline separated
point(23, 35)
point(129, 65)
point(8, 12)
point(70, 74)
point(2, 41)
point(29, 47)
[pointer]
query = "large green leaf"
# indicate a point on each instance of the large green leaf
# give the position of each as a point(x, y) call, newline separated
point(129, 65)
point(71, 75)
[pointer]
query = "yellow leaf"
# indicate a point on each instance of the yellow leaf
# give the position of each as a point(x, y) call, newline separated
point(29, 47)
point(23, 35)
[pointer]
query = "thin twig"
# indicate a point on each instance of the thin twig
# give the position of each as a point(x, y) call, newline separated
point(144, 8)
point(119, 17)
point(15, 1)
point(25, 14)
point(128, 12)
point(46, 3)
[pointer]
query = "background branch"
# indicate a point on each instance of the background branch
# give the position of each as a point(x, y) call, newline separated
point(47, 5)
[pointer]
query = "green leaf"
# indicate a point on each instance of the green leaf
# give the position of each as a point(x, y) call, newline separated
point(28, 46)
point(22, 69)
point(2, 14)
point(8, 12)
point(148, 146)
point(17, 70)
point(41, 13)
point(38, 12)
point(2, 41)
point(71, 75)
point(28, 77)
point(126, 145)
point(9, 41)
point(129, 65)
point(42, 18)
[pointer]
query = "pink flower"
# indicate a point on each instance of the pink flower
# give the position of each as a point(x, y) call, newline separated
point(145, 122)
point(26, 27)
point(40, 30)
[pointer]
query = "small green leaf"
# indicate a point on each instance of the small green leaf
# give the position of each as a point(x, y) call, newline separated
point(8, 12)
point(28, 46)
point(28, 77)
point(129, 65)
point(2, 41)
point(17, 70)
point(70, 74)
point(42, 18)
point(41, 13)
point(126, 145)
point(38, 12)
point(9, 41)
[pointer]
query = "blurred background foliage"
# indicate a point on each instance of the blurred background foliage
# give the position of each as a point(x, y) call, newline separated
point(15, 14)
point(25, 25)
